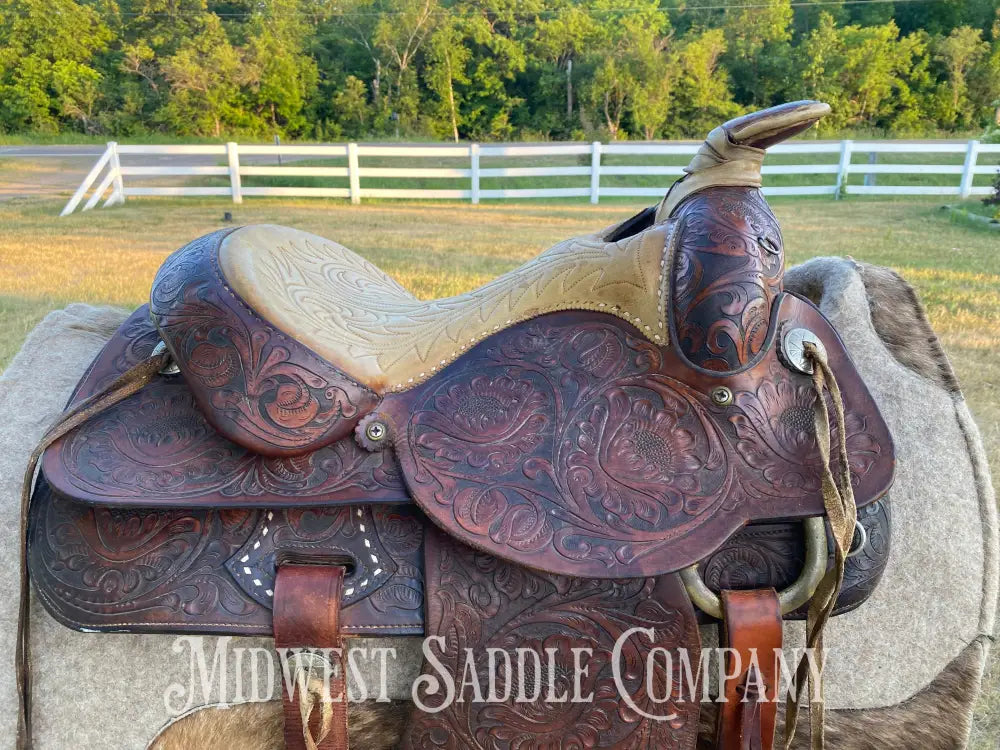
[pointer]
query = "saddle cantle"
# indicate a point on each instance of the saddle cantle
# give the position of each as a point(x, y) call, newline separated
point(626, 406)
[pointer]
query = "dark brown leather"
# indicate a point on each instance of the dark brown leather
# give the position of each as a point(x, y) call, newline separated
point(257, 386)
point(307, 616)
point(570, 444)
point(158, 449)
point(215, 569)
point(111, 543)
point(476, 601)
point(728, 266)
point(752, 629)
point(772, 555)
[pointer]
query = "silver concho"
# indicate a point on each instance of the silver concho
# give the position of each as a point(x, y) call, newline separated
point(171, 367)
point(792, 350)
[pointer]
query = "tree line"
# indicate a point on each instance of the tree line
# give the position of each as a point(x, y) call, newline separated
point(491, 69)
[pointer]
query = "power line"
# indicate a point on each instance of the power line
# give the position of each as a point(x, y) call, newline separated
point(555, 12)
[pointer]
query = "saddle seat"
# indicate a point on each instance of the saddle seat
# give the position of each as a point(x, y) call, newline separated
point(358, 318)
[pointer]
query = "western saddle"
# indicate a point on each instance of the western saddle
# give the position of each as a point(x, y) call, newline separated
point(635, 423)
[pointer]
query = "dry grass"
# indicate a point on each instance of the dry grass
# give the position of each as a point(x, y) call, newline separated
point(440, 249)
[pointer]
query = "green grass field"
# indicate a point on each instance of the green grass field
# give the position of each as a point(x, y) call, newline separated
point(438, 249)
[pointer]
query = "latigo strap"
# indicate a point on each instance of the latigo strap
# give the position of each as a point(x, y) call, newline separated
point(752, 628)
point(307, 621)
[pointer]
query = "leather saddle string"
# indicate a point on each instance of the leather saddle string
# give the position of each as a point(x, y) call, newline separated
point(841, 511)
point(124, 386)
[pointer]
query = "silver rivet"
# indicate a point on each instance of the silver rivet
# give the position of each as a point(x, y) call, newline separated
point(721, 396)
point(375, 431)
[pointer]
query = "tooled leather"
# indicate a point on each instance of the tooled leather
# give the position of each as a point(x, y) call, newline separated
point(194, 570)
point(572, 445)
point(354, 315)
point(477, 603)
point(156, 448)
point(728, 263)
point(256, 385)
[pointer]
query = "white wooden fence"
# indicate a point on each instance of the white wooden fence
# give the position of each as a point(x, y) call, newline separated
point(838, 167)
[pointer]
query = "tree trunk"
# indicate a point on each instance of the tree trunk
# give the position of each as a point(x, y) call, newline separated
point(451, 100)
point(569, 88)
point(218, 126)
point(612, 130)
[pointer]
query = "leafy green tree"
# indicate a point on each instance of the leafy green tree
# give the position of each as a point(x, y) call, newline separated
point(447, 57)
point(204, 74)
point(703, 97)
point(632, 72)
point(43, 45)
point(758, 51)
point(399, 35)
point(285, 77)
point(559, 59)
point(959, 53)
point(350, 108)
point(864, 72)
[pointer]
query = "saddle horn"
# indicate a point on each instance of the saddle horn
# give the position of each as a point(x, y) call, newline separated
point(733, 152)
point(726, 246)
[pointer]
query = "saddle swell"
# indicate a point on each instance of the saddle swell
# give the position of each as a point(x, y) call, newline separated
point(627, 405)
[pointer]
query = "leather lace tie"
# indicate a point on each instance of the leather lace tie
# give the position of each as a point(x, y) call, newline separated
point(124, 386)
point(842, 513)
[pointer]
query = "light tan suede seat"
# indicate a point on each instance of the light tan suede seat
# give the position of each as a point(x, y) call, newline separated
point(359, 319)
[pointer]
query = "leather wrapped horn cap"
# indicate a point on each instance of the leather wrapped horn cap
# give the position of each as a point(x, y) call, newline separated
point(733, 152)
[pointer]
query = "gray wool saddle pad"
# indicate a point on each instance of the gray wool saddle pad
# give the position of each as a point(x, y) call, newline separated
point(937, 596)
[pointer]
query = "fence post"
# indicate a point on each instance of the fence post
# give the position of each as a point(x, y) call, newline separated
point(474, 157)
point(118, 193)
point(843, 168)
point(969, 169)
point(99, 191)
point(870, 177)
point(352, 173)
point(233, 153)
point(95, 170)
point(595, 171)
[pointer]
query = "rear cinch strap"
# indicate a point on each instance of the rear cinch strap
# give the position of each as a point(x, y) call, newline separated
point(751, 624)
point(307, 616)
point(124, 386)
point(842, 513)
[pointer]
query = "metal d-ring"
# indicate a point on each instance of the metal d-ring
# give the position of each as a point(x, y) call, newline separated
point(790, 598)
point(859, 541)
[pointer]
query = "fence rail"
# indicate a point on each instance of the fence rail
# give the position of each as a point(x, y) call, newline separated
point(107, 177)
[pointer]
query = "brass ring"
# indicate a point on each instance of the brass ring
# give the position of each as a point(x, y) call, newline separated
point(790, 598)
